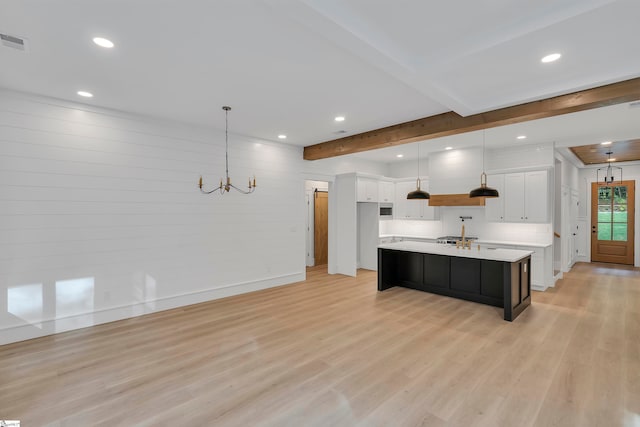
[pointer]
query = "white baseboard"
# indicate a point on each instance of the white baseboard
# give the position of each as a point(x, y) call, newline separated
point(54, 326)
point(540, 288)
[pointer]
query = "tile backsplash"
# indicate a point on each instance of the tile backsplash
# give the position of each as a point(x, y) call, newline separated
point(450, 223)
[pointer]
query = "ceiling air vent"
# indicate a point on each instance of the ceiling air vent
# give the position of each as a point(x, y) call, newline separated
point(340, 132)
point(13, 41)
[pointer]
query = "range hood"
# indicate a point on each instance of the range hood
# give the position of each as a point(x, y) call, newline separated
point(455, 200)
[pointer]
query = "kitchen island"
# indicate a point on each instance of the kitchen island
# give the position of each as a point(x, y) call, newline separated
point(497, 277)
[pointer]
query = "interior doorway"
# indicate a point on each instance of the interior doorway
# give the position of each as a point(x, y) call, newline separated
point(612, 222)
point(321, 227)
point(317, 246)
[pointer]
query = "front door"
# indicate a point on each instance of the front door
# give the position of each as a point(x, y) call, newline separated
point(612, 222)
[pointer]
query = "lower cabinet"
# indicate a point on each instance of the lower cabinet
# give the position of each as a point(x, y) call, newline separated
point(465, 275)
point(541, 264)
point(410, 269)
point(436, 270)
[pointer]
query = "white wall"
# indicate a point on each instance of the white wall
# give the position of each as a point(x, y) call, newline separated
point(408, 168)
point(346, 164)
point(455, 171)
point(101, 217)
point(520, 157)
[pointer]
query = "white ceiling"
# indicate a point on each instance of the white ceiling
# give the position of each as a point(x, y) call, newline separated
point(291, 66)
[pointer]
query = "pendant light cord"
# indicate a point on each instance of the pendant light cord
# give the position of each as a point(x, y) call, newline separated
point(483, 150)
point(226, 139)
point(419, 160)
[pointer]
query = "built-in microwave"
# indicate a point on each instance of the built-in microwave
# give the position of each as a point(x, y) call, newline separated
point(386, 210)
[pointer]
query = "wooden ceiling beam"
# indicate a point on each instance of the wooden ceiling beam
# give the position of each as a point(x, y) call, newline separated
point(451, 123)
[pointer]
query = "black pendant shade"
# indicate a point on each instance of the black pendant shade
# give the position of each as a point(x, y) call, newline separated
point(418, 193)
point(483, 190)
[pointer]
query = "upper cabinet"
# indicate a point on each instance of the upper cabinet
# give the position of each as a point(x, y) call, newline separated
point(525, 197)
point(412, 209)
point(536, 196)
point(367, 190)
point(494, 206)
point(386, 191)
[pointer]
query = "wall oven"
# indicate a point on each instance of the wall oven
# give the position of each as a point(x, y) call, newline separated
point(386, 210)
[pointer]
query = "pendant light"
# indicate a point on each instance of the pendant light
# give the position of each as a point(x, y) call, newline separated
point(608, 171)
point(483, 190)
point(226, 185)
point(418, 194)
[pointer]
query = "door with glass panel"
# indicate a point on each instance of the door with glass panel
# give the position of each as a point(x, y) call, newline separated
point(612, 222)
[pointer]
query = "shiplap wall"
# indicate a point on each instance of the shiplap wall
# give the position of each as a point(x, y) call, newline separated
point(101, 218)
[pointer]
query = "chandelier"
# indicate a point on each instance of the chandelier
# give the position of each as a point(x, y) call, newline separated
point(608, 171)
point(226, 185)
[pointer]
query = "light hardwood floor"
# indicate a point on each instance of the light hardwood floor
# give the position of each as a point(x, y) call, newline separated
point(332, 351)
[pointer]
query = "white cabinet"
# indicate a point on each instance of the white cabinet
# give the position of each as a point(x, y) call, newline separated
point(514, 197)
point(367, 190)
point(541, 263)
point(386, 192)
point(536, 196)
point(494, 206)
point(412, 209)
point(526, 197)
point(541, 267)
point(400, 203)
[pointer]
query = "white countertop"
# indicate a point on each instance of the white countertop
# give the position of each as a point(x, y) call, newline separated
point(510, 243)
point(506, 255)
point(409, 236)
point(480, 241)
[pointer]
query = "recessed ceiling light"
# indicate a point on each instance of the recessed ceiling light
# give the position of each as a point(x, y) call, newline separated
point(611, 160)
point(605, 143)
point(522, 137)
point(552, 57)
point(282, 136)
point(85, 94)
point(102, 42)
point(339, 119)
point(399, 155)
point(448, 148)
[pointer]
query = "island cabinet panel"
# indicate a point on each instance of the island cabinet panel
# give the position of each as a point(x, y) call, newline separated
point(465, 275)
point(387, 266)
point(518, 292)
point(410, 270)
point(499, 283)
point(436, 270)
point(491, 278)
point(525, 288)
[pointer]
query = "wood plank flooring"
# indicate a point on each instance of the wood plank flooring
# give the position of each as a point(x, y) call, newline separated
point(332, 351)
